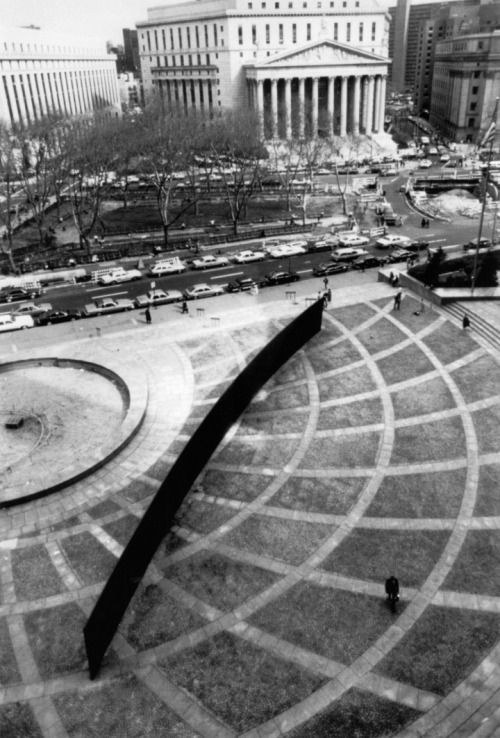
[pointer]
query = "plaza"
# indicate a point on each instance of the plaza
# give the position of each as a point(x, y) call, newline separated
point(374, 451)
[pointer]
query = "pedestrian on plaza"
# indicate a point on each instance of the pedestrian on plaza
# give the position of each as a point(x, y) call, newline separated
point(325, 300)
point(147, 313)
point(397, 299)
point(184, 310)
point(465, 322)
point(392, 591)
point(325, 282)
point(422, 223)
point(329, 295)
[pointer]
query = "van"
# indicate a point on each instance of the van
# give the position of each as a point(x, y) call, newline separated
point(167, 266)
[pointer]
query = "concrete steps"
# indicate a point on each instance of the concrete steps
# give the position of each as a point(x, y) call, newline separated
point(480, 327)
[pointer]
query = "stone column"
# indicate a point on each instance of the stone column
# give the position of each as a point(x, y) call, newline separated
point(288, 109)
point(369, 106)
point(383, 82)
point(274, 108)
point(302, 96)
point(331, 104)
point(343, 106)
point(314, 112)
point(376, 119)
point(260, 106)
point(356, 103)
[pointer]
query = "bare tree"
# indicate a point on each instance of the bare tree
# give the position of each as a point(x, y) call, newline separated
point(9, 164)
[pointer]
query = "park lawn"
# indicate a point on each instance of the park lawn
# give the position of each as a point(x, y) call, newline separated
point(476, 567)
point(381, 335)
point(449, 343)
point(429, 396)
point(334, 496)
point(351, 415)
point(486, 423)
point(353, 450)
point(352, 316)
point(274, 423)
point(432, 495)
point(252, 450)
point(488, 500)
point(234, 485)
point(403, 364)
point(202, 517)
point(55, 636)
point(326, 357)
point(34, 573)
point(346, 383)
point(435, 440)
point(478, 379)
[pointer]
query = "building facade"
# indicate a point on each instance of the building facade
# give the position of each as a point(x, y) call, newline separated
point(466, 83)
point(306, 66)
point(43, 74)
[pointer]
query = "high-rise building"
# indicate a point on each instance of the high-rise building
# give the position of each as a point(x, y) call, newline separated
point(132, 62)
point(303, 65)
point(42, 73)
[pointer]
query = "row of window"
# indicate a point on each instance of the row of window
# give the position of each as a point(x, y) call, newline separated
point(210, 35)
point(303, 4)
point(191, 60)
point(44, 48)
point(65, 92)
point(185, 92)
point(281, 33)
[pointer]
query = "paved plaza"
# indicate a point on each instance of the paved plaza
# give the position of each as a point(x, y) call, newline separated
point(374, 451)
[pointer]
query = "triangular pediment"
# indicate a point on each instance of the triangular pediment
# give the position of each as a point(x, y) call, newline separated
point(322, 53)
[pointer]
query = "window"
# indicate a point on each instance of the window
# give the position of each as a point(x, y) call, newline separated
point(268, 34)
point(319, 3)
point(475, 90)
point(471, 122)
point(477, 75)
point(215, 35)
point(348, 32)
point(294, 33)
point(182, 60)
point(263, 6)
point(332, 4)
point(308, 32)
point(250, 6)
point(254, 35)
point(361, 31)
point(197, 35)
point(304, 5)
point(179, 33)
point(188, 34)
point(208, 60)
point(290, 5)
point(473, 106)
point(171, 38)
point(280, 32)
point(198, 59)
point(163, 38)
point(149, 40)
point(206, 35)
point(335, 31)
point(374, 31)
point(156, 40)
point(344, 4)
point(240, 35)
point(276, 6)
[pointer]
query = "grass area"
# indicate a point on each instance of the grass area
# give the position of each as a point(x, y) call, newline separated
point(353, 315)
point(449, 343)
point(435, 495)
point(280, 399)
point(202, 517)
point(486, 424)
point(433, 441)
point(404, 364)
point(375, 554)
point(153, 618)
point(380, 335)
point(106, 507)
point(234, 485)
point(329, 496)
point(424, 397)
point(292, 371)
point(407, 317)
point(360, 449)
point(34, 574)
point(17, 721)
point(291, 541)
point(158, 470)
point(351, 382)
point(479, 379)
point(476, 567)
point(259, 452)
point(357, 714)
point(90, 560)
point(9, 672)
point(122, 529)
point(488, 500)
point(325, 358)
point(277, 423)
point(239, 682)
point(213, 373)
point(56, 639)
point(442, 648)
point(334, 623)
point(214, 348)
point(351, 415)
point(217, 580)
point(120, 707)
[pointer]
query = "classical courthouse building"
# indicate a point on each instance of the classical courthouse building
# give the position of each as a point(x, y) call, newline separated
point(306, 66)
point(41, 73)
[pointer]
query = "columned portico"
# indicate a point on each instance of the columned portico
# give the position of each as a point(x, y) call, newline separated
point(322, 87)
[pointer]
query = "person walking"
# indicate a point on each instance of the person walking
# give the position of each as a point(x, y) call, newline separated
point(392, 591)
point(185, 309)
point(465, 322)
point(147, 313)
point(397, 300)
point(329, 295)
point(325, 282)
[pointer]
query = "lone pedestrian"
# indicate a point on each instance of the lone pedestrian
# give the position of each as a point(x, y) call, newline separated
point(392, 591)
point(329, 295)
point(422, 223)
point(147, 313)
point(397, 300)
point(325, 282)
point(185, 310)
point(465, 322)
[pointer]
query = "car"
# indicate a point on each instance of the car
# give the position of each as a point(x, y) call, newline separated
point(57, 316)
point(118, 275)
point(424, 164)
point(484, 243)
point(106, 306)
point(30, 308)
point(244, 257)
point(10, 322)
point(274, 278)
point(367, 262)
point(354, 240)
point(158, 297)
point(283, 250)
point(444, 158)
point(321, 245)
point(210, 262)
point(243, 284)
point(197, 291)
point(348, 254)
point(167, 266)
point(419, 245)
point(323, 269)
point(392, 239)
point(398, 255)
point(15, 294)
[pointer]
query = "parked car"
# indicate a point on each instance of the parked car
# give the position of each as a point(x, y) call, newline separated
point(116, 276)
point(30, 308)
point(244, 257)
point(321, 245)
point(209, 262)
point(15, 322)
point(243, 284)
point(323, 269)
point(274, 278)
point(348, 254)
point(197, 291)
point(444, 158)
point(367, 262)
point(392, 239)
point(419, 245)
point(158, 297)
point(398, 255)
point(15, 294)
point(167, 266)
point(354, 240)
point(424, 164)
point(484, 243)
point(107, 305)
point(57, 316)
point(284, 250)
